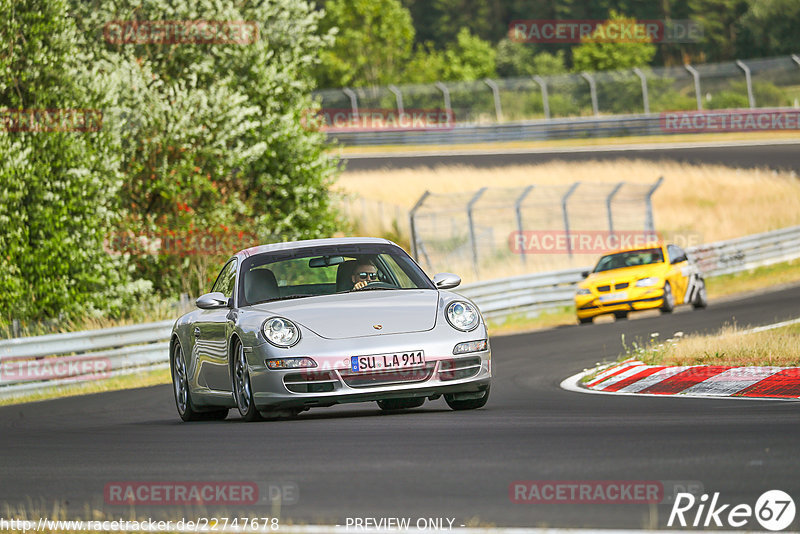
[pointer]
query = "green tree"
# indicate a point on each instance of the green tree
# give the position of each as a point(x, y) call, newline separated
point(469, 58)
point(57, 185)
point(597, 52)
point(373, 40)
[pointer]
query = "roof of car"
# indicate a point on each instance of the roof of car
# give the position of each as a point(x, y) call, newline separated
point(306, 243)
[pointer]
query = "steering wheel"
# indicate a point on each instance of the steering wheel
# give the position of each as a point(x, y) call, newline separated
point(378, 284)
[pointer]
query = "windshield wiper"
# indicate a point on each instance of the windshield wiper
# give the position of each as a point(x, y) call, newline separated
point(288, 297)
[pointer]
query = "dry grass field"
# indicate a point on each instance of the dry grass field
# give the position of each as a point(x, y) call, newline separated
point(713, 201)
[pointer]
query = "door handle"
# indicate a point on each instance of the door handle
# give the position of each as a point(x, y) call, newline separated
point(196, 331)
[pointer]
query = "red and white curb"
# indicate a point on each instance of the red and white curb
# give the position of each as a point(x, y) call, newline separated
point(633, 377)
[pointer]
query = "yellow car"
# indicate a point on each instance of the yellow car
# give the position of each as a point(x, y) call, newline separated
point(653, 277)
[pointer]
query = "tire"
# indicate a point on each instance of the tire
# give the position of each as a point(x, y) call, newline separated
point(669, 299)
point(701, 298)
point(242, 390)
point(183, 395)
point(390, 405)
point(584, 320)
point(620, 315)
point(469, 404)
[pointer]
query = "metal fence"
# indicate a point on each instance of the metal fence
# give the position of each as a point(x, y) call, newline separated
point(132, 349)
point(474, 233)
point(623, 102)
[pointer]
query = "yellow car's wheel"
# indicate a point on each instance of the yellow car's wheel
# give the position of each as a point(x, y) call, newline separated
point(669, 299)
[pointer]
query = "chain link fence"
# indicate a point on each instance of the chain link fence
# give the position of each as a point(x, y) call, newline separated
point(756, 83)
point(498, 232)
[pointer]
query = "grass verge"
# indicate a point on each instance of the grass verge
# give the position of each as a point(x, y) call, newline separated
point(732, 345)
point(138, 380)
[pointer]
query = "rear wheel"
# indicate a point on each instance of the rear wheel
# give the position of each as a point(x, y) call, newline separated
point(241, 386)
point(621, 314)
point(584, 320)
point(389, 405)
point(183, 396)
point(467, 404)
point(669, 299)
point(701, 298)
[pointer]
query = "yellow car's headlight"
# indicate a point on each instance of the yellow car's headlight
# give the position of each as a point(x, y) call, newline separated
point(583, 291)
point(647, 282)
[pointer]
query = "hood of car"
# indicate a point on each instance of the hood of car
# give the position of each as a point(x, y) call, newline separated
point(361, 313)
point(625, 275)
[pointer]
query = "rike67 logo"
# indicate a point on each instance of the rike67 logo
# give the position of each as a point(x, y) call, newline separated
point(774, 510)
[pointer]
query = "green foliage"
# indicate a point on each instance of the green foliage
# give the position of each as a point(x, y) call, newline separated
point(519, 59)
point(597, 54)
point(373, 41)
point(58, 188)
point(469, 58)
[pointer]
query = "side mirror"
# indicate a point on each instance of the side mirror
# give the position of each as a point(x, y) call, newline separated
point(446, 280)
point(211, 301)
point(679, 259)
point(585, 274)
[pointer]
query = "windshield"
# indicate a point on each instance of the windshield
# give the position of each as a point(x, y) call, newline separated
point(327, 270)
point(629, 259)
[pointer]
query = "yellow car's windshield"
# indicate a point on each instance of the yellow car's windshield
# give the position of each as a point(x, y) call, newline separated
point(631, 258)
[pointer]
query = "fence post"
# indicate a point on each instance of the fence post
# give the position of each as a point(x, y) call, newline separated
point(353, 100)
point(564, 200)
point(645, 98)
point(472, 240)
point(398, 97)
point(609, 199)
point(446, 94)
point(411, 215)
point(696, 76)
point(498, 110)
point(592, 90)
point(16, 331)
point(649, 224)
point(748, 79)
point(545, 99)
point(518, 210)
point(796, 59)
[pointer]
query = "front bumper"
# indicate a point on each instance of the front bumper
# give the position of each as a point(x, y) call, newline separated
point(646, 298)
point(333, 382)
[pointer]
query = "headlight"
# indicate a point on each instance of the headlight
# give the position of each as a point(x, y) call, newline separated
point(462, 316)
point(281, 332)
point(583, 291)
point(291, 363)
point(647, 282)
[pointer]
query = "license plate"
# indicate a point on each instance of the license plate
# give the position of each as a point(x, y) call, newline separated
point(619, 295)
point(393, 360)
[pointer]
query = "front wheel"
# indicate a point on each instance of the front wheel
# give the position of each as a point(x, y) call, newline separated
point(467, 404)
point(669, 299)
point(701, 298)
point(242, 389)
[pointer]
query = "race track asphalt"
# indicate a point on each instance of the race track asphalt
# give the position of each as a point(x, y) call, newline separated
point(353, 461)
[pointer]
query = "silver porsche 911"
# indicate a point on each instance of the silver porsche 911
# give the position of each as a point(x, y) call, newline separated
point(292, 326)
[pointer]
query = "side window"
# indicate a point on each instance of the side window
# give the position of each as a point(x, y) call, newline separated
point(225, 280)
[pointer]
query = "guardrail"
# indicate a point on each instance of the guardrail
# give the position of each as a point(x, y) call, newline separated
point(39, 363)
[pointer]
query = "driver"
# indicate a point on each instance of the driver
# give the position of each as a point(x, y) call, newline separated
point(363, 274)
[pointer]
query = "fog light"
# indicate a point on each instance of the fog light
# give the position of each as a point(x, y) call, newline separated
point(470, 346)
point(291, 363)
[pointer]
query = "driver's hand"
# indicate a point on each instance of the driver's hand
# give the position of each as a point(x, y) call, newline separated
point(360, 284)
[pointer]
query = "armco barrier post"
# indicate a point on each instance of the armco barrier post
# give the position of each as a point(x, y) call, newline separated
point(518, 210)
point(472, 240)
point(564, 212)
point(411, 215)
